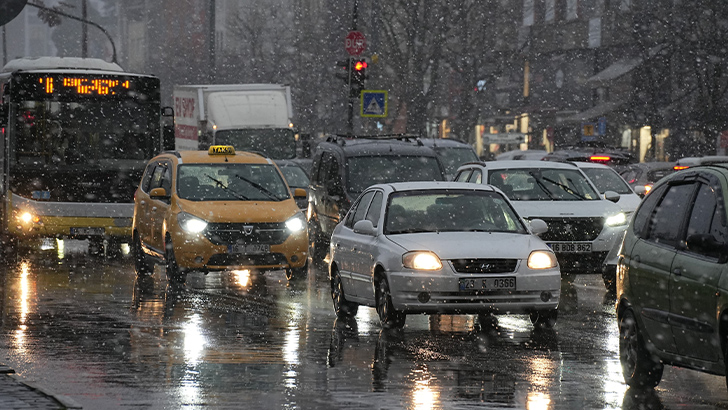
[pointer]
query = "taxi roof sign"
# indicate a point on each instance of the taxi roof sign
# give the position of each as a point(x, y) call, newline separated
point(221, 150)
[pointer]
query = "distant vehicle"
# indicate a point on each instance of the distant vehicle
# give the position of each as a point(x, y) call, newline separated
point(452, 153)
point(642, 176)
point(343, 167)
point(530, 154)
point(687, 162)
point(441, 247)
point(216, 210)
point(250, 117)
point(601, 155)
point(77, 133)
point(583, 226)
point(296, 177)
point(672, 296)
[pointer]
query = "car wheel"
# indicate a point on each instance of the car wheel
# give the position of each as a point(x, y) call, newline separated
point(297, 273)
point(388, 316)
point(639, 367)
point(142, 265)
point(342, 307)
point(544, 318)
point(174, 273)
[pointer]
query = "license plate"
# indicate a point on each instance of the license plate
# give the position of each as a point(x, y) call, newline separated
point(572, 247)
point(256, 249)
point(488, 284)
point(87, 231)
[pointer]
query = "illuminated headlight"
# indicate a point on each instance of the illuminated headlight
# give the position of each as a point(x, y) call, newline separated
point(616, 220)
point(297, 223)
point(421, 260)
point(191, 224)
point(26, 217)
point(542, 260)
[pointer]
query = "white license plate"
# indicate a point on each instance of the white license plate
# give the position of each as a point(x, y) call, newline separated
point(572, 247)
point(87, 231)
point(488, 284)
point(256, 249)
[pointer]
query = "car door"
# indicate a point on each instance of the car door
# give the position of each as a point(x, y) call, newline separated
point(651, 260)
point(162, 178)
point(694, 281)
point(143, 205)
point(346, 243)
point(333, 196)
point(367, 250)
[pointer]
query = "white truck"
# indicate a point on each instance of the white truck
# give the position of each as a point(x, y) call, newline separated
point(250, 117)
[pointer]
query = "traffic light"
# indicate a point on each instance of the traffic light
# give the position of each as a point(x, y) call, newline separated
point(342, 69)
point(358, 75)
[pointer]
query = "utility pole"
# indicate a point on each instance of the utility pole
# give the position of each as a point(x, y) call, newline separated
point(211, 42)
point(350, 104)
point(84, 29)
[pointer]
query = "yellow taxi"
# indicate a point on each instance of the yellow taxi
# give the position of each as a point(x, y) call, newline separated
point(217, 210)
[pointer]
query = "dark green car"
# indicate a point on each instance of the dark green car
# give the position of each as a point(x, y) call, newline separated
point(672, 278)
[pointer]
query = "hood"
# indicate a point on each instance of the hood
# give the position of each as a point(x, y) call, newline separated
point(240, 211)
point(555, 209)
point(462, 245)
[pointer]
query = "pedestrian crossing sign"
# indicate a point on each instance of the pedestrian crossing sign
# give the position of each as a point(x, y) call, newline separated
point(373, 103)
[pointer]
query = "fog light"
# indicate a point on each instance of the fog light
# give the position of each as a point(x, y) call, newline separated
point(198, 259)
point(545, 296)
point(423, 297)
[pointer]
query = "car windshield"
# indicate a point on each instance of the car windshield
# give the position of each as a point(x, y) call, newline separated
point(543, 184)
point(454, 157)
point(295, 176)
point(230, 182)
point(364, 172)
point(450, 211)
point(607, 180)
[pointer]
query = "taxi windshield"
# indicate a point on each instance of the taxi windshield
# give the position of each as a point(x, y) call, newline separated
point(230, 182)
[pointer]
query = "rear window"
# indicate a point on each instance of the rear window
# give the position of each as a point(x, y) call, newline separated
point(607, 180)
point(363, 172)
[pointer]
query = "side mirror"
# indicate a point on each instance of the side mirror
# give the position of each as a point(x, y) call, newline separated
point(611, 196)
point(640, 190)
point(365, 227)
point(299, 193)
point(159, 193)
point(538, 226)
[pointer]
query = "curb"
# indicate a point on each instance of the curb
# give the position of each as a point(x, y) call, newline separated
point(63, 400)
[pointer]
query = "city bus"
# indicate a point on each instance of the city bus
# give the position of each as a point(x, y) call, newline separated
point(76, 135)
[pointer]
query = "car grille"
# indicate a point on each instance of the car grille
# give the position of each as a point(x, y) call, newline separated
point(484, 265)
point(226, 259)
point(572, 229)
point(235, 233)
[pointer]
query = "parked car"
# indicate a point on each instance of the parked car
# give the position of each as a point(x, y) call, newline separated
point(605, 179)
point(643, 175)
point(672, 292)
point(343, 167)
point(530, 154)
point(452, 153)
point(602, 155)
point(217, 210)
point(583, 226)
point(296, 177)
point(441, 247)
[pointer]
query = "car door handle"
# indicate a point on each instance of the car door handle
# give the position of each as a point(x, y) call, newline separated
point(677, 271)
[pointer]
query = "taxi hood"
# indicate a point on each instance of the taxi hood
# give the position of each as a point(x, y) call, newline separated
point(465, 245)
point(556, 209)
point(240, 211)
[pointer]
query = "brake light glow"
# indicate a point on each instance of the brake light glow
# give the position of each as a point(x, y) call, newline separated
point(680, 167)
point(600, 158)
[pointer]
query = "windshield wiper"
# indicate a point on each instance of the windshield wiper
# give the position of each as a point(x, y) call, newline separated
point(260, 188)
point(565, 188)
point(541, 185)
point(227, 188)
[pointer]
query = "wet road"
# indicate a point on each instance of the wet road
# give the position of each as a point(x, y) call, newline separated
point(86, 328)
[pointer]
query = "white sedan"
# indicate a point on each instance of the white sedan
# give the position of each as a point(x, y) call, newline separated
point(441, 247)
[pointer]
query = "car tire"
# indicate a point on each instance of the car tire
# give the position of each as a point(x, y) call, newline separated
point(142, 265)
point(297, 273)
point(639, 367)
point(388, 315)
point(342, 307)
point(544, 319)
point(174, 273)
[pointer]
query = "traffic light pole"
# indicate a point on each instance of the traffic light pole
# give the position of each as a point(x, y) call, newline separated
point(350, 104)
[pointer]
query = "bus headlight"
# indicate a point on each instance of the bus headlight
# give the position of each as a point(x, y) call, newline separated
point(191, 223)
point(27, 217)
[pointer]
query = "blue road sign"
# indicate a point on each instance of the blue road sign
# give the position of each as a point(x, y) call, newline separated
point(373, 103)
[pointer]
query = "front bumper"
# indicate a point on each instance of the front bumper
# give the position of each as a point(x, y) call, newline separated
point(439, 292)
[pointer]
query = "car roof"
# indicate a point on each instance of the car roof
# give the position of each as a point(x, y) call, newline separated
point(203, 157)
point(591, 165)
point(713, 159)
point(445, 142)
point(517, 163)
point(362, 146)
point(421, 185)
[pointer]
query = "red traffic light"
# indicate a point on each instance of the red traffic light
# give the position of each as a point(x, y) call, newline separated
point(360, 65)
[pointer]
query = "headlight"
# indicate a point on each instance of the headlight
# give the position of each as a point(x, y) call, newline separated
point(542, 260)
point(190, 223)
point(616, 220)
point(297, 223)
point(421, 260)
point(26, 217)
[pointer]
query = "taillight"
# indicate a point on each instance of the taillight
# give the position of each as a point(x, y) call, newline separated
point(600, 158)
point(680, 167)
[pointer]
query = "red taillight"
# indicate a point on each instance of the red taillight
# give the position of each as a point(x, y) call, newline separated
point(600, 158)
point(680, 167)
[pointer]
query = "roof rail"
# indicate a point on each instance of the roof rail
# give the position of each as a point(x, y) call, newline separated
point(173, 152)
point(340, 138)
